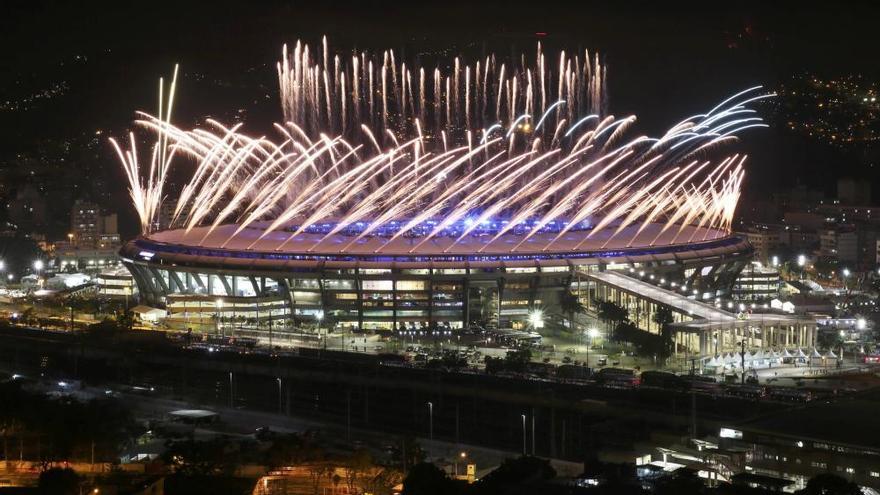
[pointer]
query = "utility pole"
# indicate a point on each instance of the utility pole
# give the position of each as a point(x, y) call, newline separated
point(431, 420)
point(533, 431)
point(742, 355)
point(457, 438)
point(348, 414)
point(524, 434)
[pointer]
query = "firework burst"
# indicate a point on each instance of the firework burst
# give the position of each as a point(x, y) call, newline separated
point(499, 151)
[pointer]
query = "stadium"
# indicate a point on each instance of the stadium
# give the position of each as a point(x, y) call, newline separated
point(395, 289)
point(388, 202)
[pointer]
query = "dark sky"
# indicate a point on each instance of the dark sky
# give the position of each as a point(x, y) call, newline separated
point(667, 60)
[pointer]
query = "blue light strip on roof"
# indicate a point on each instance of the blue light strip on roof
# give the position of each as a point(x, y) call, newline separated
point(160, 247)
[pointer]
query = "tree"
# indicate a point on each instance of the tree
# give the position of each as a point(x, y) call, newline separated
point(59, 481)
point(105, 328)
point(682, 482)
point(826, 267)
point(646, 343)
point(516, 473)
point(382, 482)
point(28, 316)
point(611, 313)
point(202, 458)
point(452, 360)
point(829, 484)
point(493, 364)
point(356, 467)
point(317, 471)
point(663, 318)
point(570, 304)
point(625, 331)
point(517, 360)
point(409, 454)
point(829, 339)
point(427, 479)
point(125, 320)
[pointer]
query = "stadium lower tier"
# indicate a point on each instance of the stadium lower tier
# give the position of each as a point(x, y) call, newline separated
point(401, 290)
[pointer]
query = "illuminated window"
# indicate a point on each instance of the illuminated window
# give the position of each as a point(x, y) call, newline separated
point(378, 285)
point(453, 271)
point(550, 269)
point(411, 285)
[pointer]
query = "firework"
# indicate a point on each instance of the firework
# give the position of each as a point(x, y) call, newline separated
point(368, 153)
point(340, 94)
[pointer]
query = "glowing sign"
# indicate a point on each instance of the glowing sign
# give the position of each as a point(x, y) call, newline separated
point(730, 433)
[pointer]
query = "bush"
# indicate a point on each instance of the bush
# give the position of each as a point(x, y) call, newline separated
point(59, 481)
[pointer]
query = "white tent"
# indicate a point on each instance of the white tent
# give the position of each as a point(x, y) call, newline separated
point(800, 353)
point(831, 355)
point(815, 354)
point(786, 354)
point(146, 313)
point(712, 363)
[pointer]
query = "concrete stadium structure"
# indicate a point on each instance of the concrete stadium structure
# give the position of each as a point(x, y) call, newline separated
point(376, 284)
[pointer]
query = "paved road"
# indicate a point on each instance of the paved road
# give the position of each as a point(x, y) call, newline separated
point(243, 422)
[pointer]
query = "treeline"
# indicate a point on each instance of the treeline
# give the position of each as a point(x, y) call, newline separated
point(661, 345)
point(45, 429)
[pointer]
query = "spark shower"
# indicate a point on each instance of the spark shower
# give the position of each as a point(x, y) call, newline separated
point(373, 146)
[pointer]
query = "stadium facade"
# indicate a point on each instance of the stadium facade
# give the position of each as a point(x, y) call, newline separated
point(375, 283)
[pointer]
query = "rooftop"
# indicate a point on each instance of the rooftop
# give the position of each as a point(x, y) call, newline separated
point(249, 239)
point(705, 315)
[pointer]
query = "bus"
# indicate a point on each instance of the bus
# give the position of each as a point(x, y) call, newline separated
point(618, 377)
point(662, 379)
point(701, 383)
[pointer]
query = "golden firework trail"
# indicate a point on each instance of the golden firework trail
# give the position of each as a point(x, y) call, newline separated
point(493, 149)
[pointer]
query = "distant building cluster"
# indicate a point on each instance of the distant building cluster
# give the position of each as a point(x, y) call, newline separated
point(93, 240)
point(844, 231)
point(842, 111)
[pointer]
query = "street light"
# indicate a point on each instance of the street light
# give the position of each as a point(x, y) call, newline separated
point(319, 316)
point(536, 318)
point(592, 333)
point(801, 260)
point(219, 303)
point(38, 265)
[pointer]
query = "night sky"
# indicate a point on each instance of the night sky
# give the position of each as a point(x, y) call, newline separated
point(73, 68)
